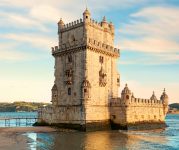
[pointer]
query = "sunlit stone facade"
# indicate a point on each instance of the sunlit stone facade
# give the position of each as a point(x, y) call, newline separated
point(85, 91)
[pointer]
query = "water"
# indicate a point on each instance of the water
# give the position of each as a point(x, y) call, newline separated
point(13, 122)
point(167, 139)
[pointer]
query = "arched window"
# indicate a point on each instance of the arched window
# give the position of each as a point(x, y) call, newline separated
point(69, 91)
point(127, 96)
point(85, 90)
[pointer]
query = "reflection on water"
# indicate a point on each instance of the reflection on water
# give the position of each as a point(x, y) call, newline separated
point(113, 140)
point(33, 140)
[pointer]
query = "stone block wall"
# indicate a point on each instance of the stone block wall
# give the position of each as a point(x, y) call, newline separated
point(136, 111)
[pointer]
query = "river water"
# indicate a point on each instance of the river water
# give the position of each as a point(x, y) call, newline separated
point(167, 139)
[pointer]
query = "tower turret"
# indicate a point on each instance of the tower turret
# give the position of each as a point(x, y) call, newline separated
point(104, 23)
point(153, 97)
point(54, 95)
point(86, 16)
point(164, 98)
point(60, 25)
point(126, 95)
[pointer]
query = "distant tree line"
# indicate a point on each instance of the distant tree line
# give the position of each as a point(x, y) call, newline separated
point(21, 106)
point(174, 106)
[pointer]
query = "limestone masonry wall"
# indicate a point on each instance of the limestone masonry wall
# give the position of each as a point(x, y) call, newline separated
point(136, 110)
point(85, 90)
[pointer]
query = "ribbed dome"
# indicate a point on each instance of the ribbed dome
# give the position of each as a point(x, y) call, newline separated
point(86, 11)
point(153, 97)
point(61, 22)
point(164, 95)
point(126, 90)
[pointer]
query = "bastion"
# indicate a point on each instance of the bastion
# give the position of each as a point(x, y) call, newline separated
point(85, 91)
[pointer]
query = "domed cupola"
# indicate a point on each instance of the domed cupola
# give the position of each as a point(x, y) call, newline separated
point(126, 90)
point(104, 22)
point(126, 95)
point(153, 97)
point(164, 98)
point(60, 24)
point(86, 15)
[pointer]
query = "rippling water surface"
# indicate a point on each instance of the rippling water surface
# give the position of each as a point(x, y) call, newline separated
point(167, 139)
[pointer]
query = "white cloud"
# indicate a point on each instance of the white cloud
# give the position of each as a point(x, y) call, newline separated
point(8, 53)
point(46, 13)
point(33, 39)
point(20, 21)
point(155, 29)
point(25, 90)
point(152, 59)
point(150, 44)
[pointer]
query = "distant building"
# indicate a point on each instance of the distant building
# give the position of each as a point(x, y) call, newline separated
point(85, 91)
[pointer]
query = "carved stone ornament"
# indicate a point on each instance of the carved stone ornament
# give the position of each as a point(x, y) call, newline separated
point(86, 88)
point(69, 76)
point(102, 77)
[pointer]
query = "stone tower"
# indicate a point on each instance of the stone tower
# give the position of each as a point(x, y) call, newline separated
point(85, 90)
point(86, 75)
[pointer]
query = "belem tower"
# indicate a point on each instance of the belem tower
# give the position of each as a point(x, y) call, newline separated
point(85, 91)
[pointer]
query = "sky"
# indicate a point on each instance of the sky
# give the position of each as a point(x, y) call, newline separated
point(146, 31)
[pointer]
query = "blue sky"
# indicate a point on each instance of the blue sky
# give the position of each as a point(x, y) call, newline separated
point(147, 32)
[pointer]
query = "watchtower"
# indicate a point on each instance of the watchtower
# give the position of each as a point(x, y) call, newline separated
point(86, 76)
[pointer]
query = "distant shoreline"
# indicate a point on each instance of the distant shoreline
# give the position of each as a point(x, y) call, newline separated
point(177, 112)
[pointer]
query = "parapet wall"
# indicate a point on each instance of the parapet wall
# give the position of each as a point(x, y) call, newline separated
point(98, 25)
point(90, 42)
point(71, 25)
point(100, 45)
point(137, 110)
point(135, 102)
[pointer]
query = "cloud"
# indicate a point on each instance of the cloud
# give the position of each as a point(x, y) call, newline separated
point(27, 89)
point(20, 21)
point(150, 44)
point(152, 59)
point(153, 29)
point(33, 39)
point(51, 14)
point(7, 53)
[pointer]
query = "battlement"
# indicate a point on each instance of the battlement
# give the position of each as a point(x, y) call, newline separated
point(104, 26)
point(90, 42)
point(99, 45)
point(108, 27)
point(70, 25)
point(135, 102)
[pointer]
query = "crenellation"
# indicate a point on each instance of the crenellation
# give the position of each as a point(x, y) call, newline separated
point(104, 46)
point(71, 25)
